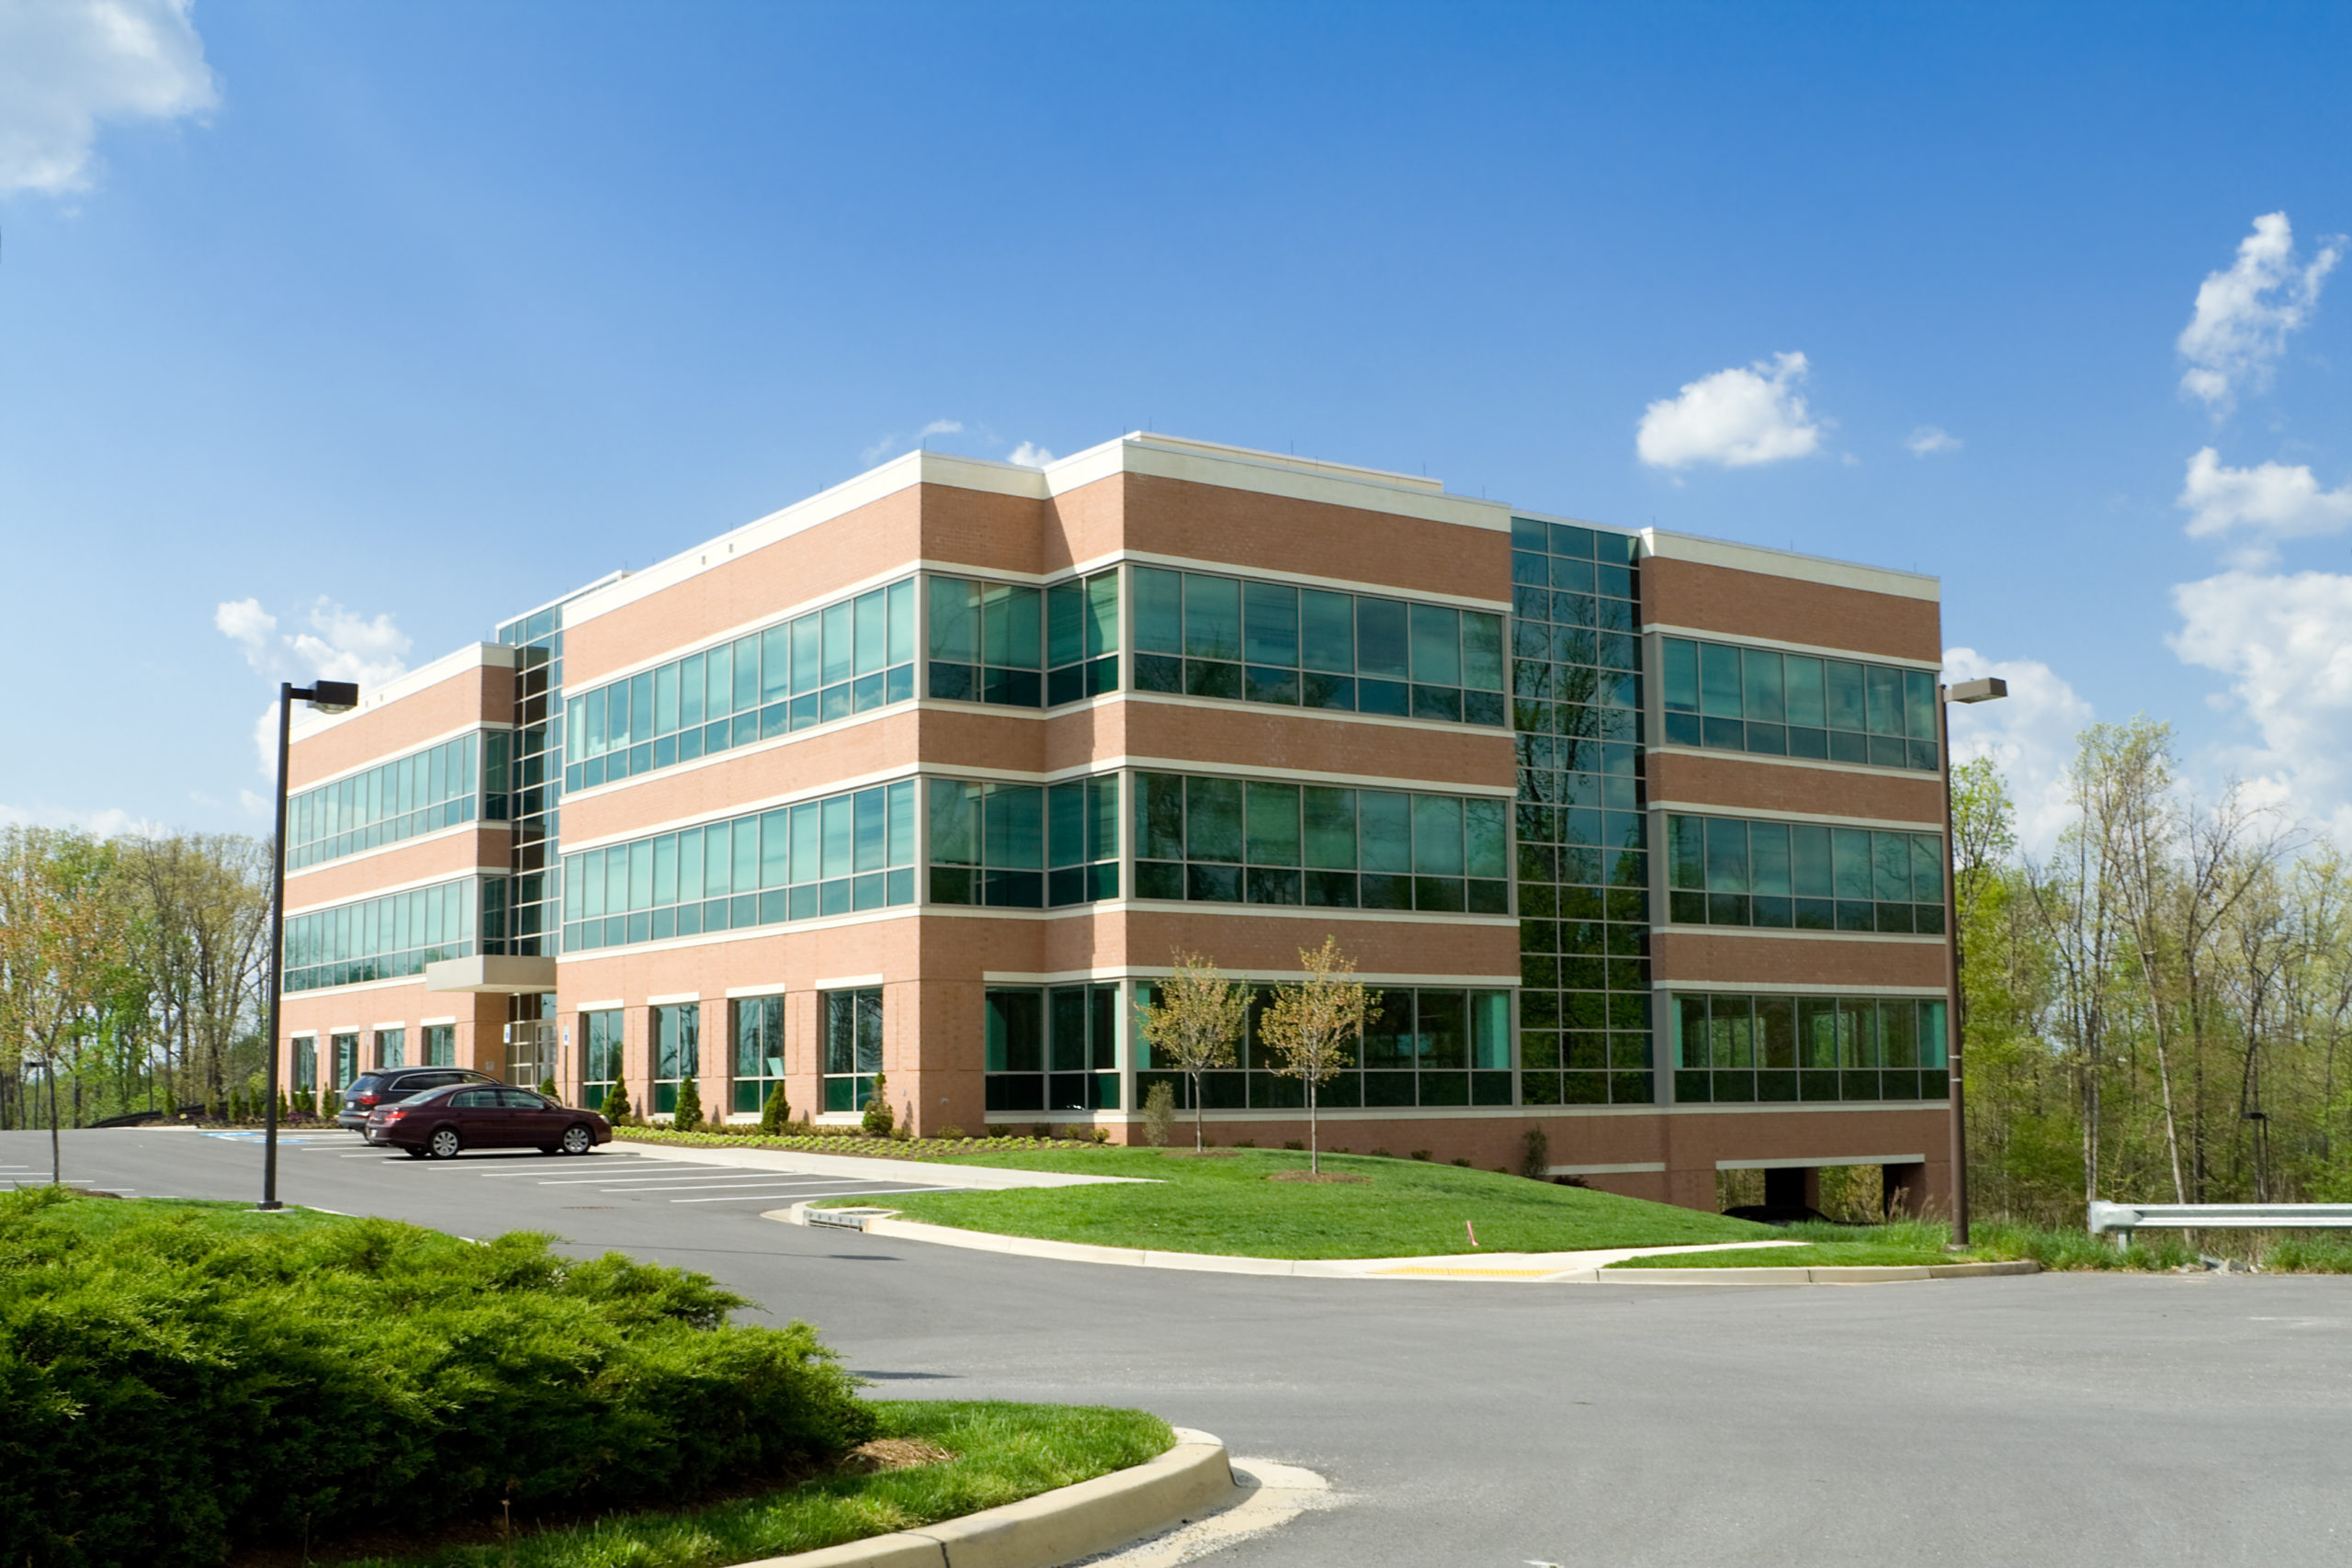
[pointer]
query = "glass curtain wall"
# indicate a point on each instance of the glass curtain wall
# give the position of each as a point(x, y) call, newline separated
point(1210, 635)
point(759, 1052)
point(1738, 1049)
point(1052, 1048)
point(528, 922)
point(1583, 861)
point(851, 1022)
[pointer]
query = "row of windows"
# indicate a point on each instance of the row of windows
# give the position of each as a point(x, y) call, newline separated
point(1271, 642)
point(845, 659)
point(1793, 705)
point(1428, 1046)
point(438, 1047)
point(1736, 1049)
point(1574, 541)
point(757, 1057)
point(832, 856)
point(1025, 846)
point(984, 644)
point(421, 792)
point(1052, 1048)
point(1227, 840)
point(1725, 872)
point(380, 938)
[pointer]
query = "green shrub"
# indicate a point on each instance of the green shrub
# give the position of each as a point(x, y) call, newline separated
point(185, 1381)
point(615, 1107)
point(547, 1087)
point(777, 1113)
point(1535, 1155)
point(687, 1116)
point(1158, 1113)
point(878, 1119)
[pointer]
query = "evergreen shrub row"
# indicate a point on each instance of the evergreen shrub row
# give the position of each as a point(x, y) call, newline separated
point(184, 1381)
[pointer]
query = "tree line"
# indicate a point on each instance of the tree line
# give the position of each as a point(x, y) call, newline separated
point(2157, 1009)
point(132, 972)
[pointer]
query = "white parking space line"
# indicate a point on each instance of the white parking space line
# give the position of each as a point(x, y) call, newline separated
point(740, 1197)
point(699, 1186)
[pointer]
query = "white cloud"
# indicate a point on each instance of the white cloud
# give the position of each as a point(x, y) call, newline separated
point(2285, 641)
point(1735, 418)
point(2271, 501)
point(1029, 454)
point(1929, 439)
point(66, 66)
point(941, 427)
point(338, 646)
point(106, 822)
point(2242, 316)
point(893, 441)
point(2029, 736)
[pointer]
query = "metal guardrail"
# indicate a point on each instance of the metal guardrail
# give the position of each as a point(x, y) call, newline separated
point(2120, 1220)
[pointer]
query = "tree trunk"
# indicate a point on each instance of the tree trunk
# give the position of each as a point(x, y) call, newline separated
point(1196, 1113)
point(1314, 1143)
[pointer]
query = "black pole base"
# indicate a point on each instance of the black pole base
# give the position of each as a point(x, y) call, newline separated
point(269, 1206)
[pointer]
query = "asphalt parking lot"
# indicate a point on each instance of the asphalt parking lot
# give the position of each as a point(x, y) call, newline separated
point(2057, 1419)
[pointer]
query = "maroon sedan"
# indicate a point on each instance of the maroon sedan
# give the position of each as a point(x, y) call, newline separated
point(442, 1122)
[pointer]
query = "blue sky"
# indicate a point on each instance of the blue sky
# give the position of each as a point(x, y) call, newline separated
point(335, 335)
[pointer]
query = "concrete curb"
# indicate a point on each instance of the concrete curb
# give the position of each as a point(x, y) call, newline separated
point(1055, 1526)
point(1846, 1274)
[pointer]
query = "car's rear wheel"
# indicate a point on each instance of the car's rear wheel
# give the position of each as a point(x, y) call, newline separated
point(444, 1143)
point(578, 1140)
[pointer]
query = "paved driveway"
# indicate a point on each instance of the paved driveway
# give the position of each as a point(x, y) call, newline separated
point(2060, 1419)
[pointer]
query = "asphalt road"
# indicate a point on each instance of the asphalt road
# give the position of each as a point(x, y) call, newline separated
point(2058, 1419)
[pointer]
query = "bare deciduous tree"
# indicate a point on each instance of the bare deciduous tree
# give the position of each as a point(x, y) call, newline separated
point(1194, 1023)
point(1314, 1025)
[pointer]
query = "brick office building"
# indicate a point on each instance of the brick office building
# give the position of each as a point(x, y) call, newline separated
point(1639, 834)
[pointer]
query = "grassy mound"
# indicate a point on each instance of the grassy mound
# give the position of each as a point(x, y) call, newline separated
point(1002, 1454)
point(1922, 1241)
point(185, 1379)
point(1401, 1208)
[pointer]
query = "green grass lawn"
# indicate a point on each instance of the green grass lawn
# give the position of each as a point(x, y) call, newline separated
point(1224, 1204)
point(1004, 1452)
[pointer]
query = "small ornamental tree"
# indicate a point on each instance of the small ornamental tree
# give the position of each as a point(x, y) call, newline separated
point(877, 1119)
point(1158, 1113)
point(616, 1106)
point(775, 1113)
point(687, 1117)
point(547, 1087)
point(1194, 1023)
point(1315, 1026)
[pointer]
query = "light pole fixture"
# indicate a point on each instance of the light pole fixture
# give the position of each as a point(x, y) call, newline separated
point(1987, 688)
point(327, 696)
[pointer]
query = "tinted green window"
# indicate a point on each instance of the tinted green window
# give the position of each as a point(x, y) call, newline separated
point(1719, 681)
point(1437, 835)
point(1273, 830)
point(1327, 631)
point(1160, 610)
point(1761, 676)
point(1387, 830)
point(1270, 623)
point(1330, 824)
point(1213, 819)
point(1212, 617)
point(1437, 644)
point(1382, 643)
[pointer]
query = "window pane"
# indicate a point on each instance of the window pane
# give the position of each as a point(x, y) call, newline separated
point(1211, 616)
point(1437, 835)
point(717, 857)
point(1213, 818)
point(718, 683)
point(1160, 817)
point(1327, 631)
point(871, 807)
point(747, 855)
point(775, 662)
point(1386, 830)
point(1381, 638)
point(1886, 699)
point(840, 643)
point(1273, 824)
point(871, 635)
point(1718, 681)
point(902, 621)
point(1726, 856)
point(665, 870)
point(1270, 623)
point(1681, 674)
point(1767, 858)
point(808, 842)
point(1015, 834)
point(1686, 852)
point(1919, 703)
point(690, 683)
point(1486, 829)
point(1761, 671)
point(1437, 644)
point(1804, 697)
point(1066, 824)
point(1809, 862)
point(1927, 868)
point(1160, 610)
point(1330, 828)
point(1065, 623)
point(808, 653)
point(1850, 850)
point(1845, 693)
point(1482, 651)
point(902, 823)
point(1890, 866)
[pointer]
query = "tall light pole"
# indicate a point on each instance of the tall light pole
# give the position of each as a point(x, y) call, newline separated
point(1987, 690)
point(327, 696)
